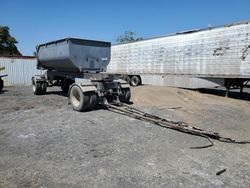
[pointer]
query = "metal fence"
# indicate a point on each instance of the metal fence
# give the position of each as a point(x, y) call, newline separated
point(19, 69)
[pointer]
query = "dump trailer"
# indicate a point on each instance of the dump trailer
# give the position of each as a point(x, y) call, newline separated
point(78, 66)
point(216, 54)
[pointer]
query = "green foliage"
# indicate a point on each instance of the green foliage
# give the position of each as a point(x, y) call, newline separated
point(128, 36)
point(7, 42)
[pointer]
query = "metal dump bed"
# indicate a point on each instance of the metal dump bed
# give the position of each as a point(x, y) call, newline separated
point(74, 55)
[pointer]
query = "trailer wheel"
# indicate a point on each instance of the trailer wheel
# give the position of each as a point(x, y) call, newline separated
point(39, 88)
point(36, 87)
point(1, 85)
point(135, 81)
point(127, 79)
point(79, 100)
point(44, 88)
point(125, 96)
point(92, 100)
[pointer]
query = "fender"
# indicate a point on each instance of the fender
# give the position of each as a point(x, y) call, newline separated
point(123, 83)
point(39, 78)
point(84, 84)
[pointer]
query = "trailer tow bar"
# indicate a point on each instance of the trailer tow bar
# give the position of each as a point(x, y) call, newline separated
point(130, 111)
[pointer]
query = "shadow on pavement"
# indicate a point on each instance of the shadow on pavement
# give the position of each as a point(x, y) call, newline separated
point(3, 91)
point(56, 93)
point(235, 94)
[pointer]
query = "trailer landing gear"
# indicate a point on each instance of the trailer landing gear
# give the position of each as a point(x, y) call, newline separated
point(234, 83)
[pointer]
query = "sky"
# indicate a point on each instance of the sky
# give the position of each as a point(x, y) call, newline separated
point(33, 22)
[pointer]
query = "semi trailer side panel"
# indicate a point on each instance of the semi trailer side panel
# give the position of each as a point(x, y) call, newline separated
point(218, 52)
point(181, 81)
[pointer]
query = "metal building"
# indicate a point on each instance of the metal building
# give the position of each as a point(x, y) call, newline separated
point(20, 69)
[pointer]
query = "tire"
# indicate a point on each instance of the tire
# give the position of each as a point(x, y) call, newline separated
point(39, 88)
point(135, 81)
point(79, 100)
point(127, 79)
point(44, 88)
point(93, 100)
point(1, 85)
point(125, 96)
point(36, 87)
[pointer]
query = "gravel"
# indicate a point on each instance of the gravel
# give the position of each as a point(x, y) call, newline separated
point(44, 143)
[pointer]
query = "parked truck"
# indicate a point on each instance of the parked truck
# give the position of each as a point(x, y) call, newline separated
point(78, 66)
point(190, 59)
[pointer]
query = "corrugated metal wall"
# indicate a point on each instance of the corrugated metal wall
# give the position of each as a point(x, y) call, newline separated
point(19, 70)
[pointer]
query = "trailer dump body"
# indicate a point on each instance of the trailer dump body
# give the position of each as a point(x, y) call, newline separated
point(74, 55)
point(218, 52)
point(77, 65)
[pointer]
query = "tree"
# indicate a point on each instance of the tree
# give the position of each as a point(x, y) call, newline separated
point(7, 42)
point(128, 36)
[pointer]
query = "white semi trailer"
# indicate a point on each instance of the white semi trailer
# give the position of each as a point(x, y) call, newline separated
point(190, 59)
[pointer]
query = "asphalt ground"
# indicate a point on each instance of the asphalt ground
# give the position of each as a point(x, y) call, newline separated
point(44, 143)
